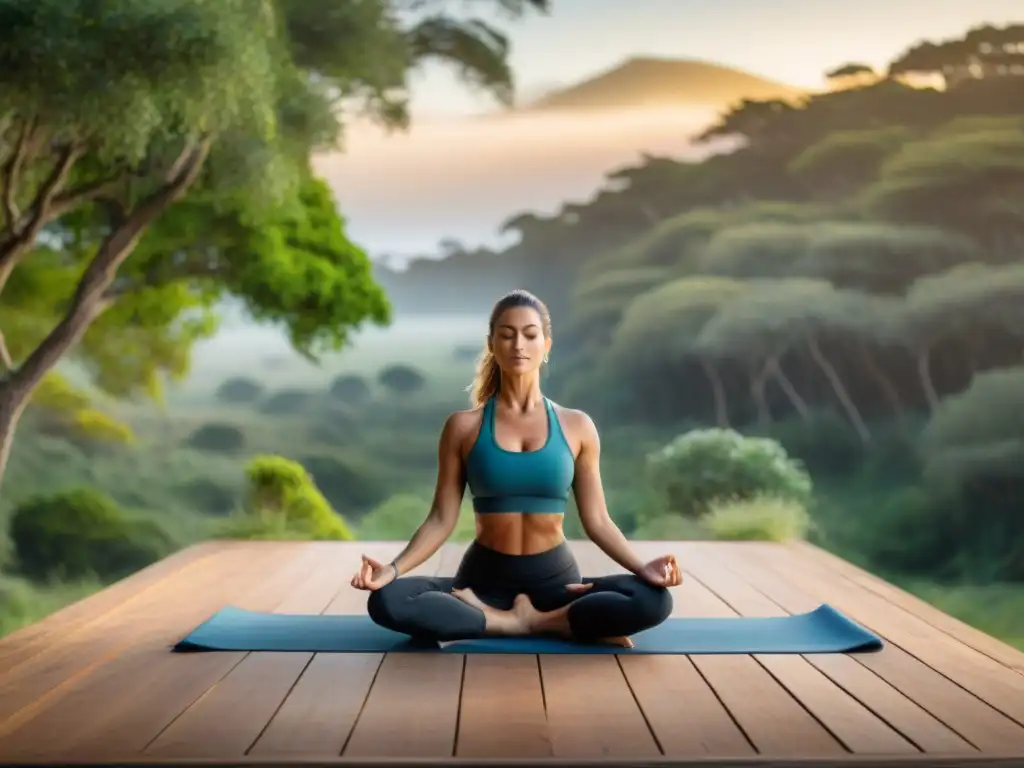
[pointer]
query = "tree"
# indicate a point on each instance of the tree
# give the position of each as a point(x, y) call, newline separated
point(209, 111)
point(967, 181)
point(850, 70)
point(844, 161)
point(657, 335)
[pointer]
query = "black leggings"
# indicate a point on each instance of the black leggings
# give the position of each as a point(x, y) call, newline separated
point(422, 606)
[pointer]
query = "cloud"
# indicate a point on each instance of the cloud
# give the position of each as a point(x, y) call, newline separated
point(462, 177)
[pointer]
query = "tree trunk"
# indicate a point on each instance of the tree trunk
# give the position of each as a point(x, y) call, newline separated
point(92, 295)
point(879, 377)
point(757, 387)
point(924, 373)
point(799, 404)
point(721, 404)
point(12, 405)
point(839, 389)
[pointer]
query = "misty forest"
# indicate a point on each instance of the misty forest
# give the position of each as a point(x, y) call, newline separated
point(816, 333)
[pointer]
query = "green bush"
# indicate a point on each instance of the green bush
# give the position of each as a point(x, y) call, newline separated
point(401, 379)
point(23, 603)
point(353, 488)
point(208, 496)
point(217, 438)
point(82, 533)
point(350, 389)
point(702, 467)
point(239, 390)
point(398, 518)
point(283, 502)
point(760, 518)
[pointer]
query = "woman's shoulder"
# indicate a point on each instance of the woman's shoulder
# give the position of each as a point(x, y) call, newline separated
point(576, 420)
point(460, 423)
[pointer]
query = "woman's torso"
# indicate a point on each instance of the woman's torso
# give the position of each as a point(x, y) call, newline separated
point(519, 470)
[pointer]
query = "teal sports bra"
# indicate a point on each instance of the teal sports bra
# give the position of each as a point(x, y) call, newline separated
point(513, 481)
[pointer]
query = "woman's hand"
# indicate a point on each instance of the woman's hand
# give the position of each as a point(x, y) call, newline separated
point(372, 575)
point(662, 572)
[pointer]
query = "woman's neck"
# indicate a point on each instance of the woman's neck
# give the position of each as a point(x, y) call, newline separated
point(520, 393)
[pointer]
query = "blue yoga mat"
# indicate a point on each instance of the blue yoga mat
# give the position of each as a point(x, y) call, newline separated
point(824, 630)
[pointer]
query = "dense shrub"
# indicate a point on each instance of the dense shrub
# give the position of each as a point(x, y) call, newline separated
point(760, 518)
point(82, 533)
point(217, 438)
point(702, 467)
point(397, 519)
point(240, 389)
point(282, 501)
point(209, 496)
point(352, 488)
point(401, 379)
point(350, 389)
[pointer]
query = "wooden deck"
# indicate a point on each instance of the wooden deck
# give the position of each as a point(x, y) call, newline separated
point(97, 683)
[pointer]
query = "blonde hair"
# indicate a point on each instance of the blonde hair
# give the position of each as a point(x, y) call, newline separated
point(488, 375)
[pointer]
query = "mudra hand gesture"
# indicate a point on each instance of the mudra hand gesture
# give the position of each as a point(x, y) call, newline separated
point(662, 572)
point(372, 575)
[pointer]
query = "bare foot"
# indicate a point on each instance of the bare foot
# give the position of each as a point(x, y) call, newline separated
point(498, 622)
point(468, 596)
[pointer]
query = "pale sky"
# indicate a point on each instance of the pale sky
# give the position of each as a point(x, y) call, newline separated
point(794, 41)
point(453, 177)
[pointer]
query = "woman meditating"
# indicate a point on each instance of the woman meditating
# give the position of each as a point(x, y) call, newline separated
point(521, 455)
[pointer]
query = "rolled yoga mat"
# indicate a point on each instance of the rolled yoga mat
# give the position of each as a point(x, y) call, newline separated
point(823, 630)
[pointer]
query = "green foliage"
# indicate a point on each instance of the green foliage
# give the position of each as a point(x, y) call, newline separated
point(23, 603)
point(282, 501)
point(350, 389)
point(353, 487)
point(965, 181)
point(240, 390)
point(882, 258)
point(81, 533)
point(755, 250)
point(401, 379)
point(217, 438)
point(397, 519)
point(702, 467)
point(844, 160)
point(758, 518)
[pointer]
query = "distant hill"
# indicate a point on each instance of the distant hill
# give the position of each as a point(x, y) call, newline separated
point(653, 82)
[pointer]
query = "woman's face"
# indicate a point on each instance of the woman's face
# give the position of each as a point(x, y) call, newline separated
point(518, 342)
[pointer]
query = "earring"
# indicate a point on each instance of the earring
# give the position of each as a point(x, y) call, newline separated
point(545, 358)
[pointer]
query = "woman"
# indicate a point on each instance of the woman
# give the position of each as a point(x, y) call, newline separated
point(520, 455)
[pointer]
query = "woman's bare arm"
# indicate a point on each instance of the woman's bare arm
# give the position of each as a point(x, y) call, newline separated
point(591, 503)
point(448, 493)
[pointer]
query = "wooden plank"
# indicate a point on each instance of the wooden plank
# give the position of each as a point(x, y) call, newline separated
point(38, 680)
point(992, 647)
point(235, 709)
point(44, 634)
point(797, 589)
point(987, 679)
point(117, 692)
point(919, 727)
point(776, 723)
point(701, 727)
point(320, 713)
point(591, 710)
point(317, 717)
point(501, 711)
point(412, 709)
point(858, 724)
